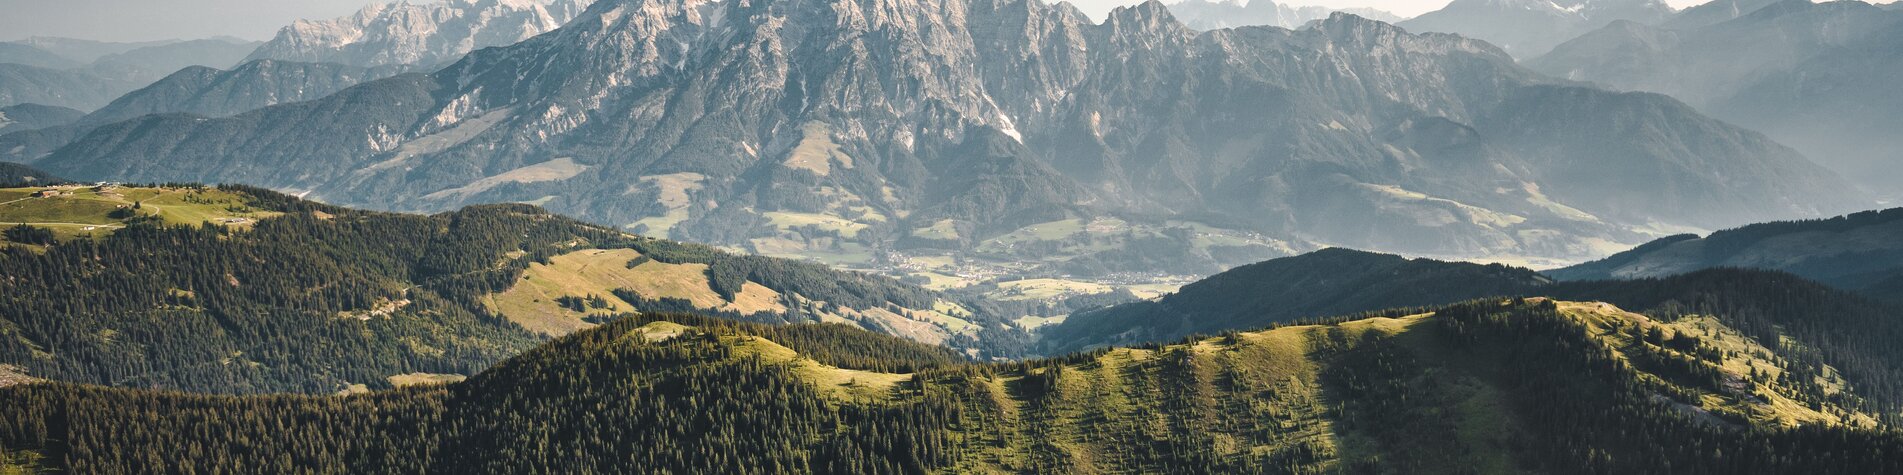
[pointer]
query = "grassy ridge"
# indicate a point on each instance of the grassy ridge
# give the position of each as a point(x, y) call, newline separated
point(1518, 385)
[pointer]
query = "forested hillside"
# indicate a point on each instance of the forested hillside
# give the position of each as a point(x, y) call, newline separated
point(14, 174)
point(1491, 386)
point(1317, 284)
point(1857, 252)
point(1823, 332)
point(235, 290)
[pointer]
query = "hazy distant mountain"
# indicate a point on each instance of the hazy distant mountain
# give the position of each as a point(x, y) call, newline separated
point(815, 127)
point(152, 62)
point(35, 116)
point(426, 34)
point(1818, 77)
point(20, 53)
point(1838, 105)
point(1529, 28)
point(1319, 284)
point(74, 89)
point(109, 69)
point(1213, 14)
point(85, 51)
point(1714, 12)
point(198, 91)
point(1854, 252)
point(211, 92)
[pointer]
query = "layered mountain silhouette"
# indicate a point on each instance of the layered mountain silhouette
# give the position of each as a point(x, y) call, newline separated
point(1322, 283)
point(72, 89)
point(1529, 28)
point(1858, 252)
point(1215, 14)
point(732, 122)
point(200, 92)
point(1815, 76)
point(86, 75)
point(35, 116)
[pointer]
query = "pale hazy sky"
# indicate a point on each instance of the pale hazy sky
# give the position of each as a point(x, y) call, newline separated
point(139, 20)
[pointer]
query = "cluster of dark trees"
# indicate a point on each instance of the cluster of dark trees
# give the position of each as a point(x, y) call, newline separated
point(1593, 416)
point(592, 401)
point(1806, 323)
point(17, 175)
point(583, 304)
point(217, 310)
point(25, 234)
point(268, 309)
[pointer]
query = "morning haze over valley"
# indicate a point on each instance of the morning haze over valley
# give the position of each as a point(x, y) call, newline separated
point(951, 236)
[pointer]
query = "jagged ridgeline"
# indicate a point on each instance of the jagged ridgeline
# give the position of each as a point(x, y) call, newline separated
point(1490, 386)
point(236, 289)
point(844, 128)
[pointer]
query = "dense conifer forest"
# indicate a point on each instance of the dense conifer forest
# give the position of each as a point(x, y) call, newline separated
point(318, 298)
point(1496, 385)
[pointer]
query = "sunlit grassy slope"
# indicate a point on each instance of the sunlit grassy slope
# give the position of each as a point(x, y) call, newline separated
point(1496, 386)
point(81, 210)
point(1286, 394)
point(611, 274)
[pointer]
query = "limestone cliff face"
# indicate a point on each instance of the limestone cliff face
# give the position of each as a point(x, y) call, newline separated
point(389, 34)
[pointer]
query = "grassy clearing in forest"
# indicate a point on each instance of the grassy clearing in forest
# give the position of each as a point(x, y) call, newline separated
point(74, 211)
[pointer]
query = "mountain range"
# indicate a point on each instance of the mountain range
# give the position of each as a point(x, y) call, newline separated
point(391, 37)
point(1530, 28)
point(860, 129)
point(1712, 13)
point(423, 35)
point(197, 92)
point(1814, 76)
point(85, 75)
point(959, 236)
point(1202, 15)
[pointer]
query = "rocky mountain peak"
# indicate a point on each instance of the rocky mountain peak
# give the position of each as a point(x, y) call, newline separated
point(1149, 16)
point(426, 34)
